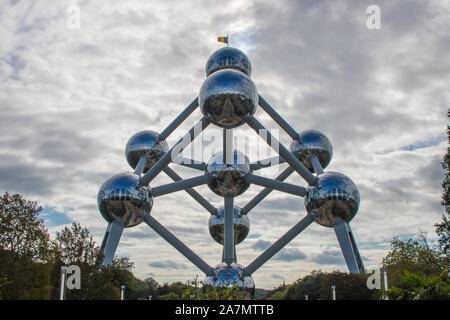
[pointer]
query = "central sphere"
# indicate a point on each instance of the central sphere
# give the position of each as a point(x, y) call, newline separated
point(231, 276)
point(121, 196)
point(335, 195)
point(145, 143)
point(228, 98)
point(228, 179)
point(241, 225)
point(228, 58)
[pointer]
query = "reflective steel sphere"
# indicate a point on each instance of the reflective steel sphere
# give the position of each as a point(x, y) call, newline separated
point(241, 225)
point(228, 97)
point(335, 195)
point(121, 196)
point(231, 276)
point(228, 58)
point(228, 179)
point(145, 143)
point(312, 142)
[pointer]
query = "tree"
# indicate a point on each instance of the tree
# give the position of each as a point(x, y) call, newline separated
point(443, 228)
point(414, 255)
point(309, 285)
point(434, 287)
point(26, 253)
point(349, 286)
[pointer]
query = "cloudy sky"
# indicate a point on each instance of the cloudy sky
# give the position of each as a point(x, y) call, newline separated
point(71, 97)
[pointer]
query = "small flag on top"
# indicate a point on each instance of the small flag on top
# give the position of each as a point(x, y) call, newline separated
point(223, 39)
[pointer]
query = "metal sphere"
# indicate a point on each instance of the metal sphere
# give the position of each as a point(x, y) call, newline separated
point(227, 98)
point(228, 179)
point(312, 142)
point(335, 195)
point(241, 225)
point(145, 143)
point(228, 58)
point(121, 196)
point(231, 276)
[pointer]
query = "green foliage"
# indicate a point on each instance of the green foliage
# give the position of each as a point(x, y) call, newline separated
point(170, 296)
point(309, 285)
point(433, 287)
point(443, 228)
point(280, 293)
point(415, 255)
point(349, 286)
point(197, 290)
point(26, 253)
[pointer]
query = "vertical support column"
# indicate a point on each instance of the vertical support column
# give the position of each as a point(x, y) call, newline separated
point(228, 242)
point(228, 154)
point(348, 246)
point(111, 240)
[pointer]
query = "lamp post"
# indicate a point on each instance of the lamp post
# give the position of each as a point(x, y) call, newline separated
point(122, 292)
point(62, 290)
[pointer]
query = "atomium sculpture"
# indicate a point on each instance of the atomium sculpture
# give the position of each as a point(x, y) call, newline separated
point(228, 99)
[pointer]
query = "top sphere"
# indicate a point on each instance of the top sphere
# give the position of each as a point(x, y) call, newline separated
point(145, 143)
point(335, 195)
point(121, 196)
point(228, 58)
point(228, 98)
point(312, 142)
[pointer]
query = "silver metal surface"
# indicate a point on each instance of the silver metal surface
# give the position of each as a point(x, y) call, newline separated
point(312, 142)
point(231, 276)
point(174, 151)
point(335, 195)
point(228, 58)
point(121, 196)
point(282, 151)
point(227, 98)
point(278, 245)
point(228, 179)
point(348, 246)
point(111, 241)
point(179, 245)
point(145, 143)
point(241, 225)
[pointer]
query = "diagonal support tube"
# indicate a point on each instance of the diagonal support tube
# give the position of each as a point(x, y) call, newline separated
point(277, 185)
point(194, 194)
point(349, 249)
point(277, 118)
point(228, 242)
point(177, 244)
point(179, 119)
point(316, 165)
point(174, 151)
point(265, 163)
point(284, 153)
point(111, 240)
point(190, 163)
point(264, 193)
point(278, 245)
point(140, 165)
point(179, 185)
